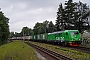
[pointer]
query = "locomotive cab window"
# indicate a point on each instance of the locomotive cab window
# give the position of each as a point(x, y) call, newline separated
point(76, 32)
point(66, 33)
point(60, 33)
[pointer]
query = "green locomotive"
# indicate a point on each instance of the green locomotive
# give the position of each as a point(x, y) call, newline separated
point(67, 37)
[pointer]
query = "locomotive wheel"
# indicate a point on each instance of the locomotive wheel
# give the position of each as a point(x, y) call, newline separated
point(65, 44)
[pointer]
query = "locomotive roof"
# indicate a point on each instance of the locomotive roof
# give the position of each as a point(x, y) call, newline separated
point(71, 30)
point(62, 31)
point(56, 32)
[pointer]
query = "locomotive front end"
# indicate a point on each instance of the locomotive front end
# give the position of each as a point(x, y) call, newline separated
point(75, 38)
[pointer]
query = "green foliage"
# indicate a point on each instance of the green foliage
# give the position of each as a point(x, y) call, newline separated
point(4, 28)
point(26, 31)
point(83, 19)
point(51, 27)
point(73, 15)
point(88, 29)
point(60, 22)
point(45, 27)
point(38, 28)
point(11, 34)
point(70, 14)
point(66, 16)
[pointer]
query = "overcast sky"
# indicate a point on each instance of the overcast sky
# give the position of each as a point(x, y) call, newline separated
point(24, 13)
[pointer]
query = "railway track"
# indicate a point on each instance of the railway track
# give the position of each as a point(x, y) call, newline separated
point(81, 49)
point(84, 48)
point(56, 55)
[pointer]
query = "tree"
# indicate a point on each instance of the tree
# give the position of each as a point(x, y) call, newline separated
point(26, 31)
point(66, 16)
point(89, 28)
point(37, 28)
point(51, 27)
point(41, 28)
point(60, 22)
point(70, 14)
point(82, 22)
point(4, 28)
point(11, 35)
point(73, 15)
point(45, 25)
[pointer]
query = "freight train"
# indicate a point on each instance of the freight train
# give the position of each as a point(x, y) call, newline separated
point(66, 38)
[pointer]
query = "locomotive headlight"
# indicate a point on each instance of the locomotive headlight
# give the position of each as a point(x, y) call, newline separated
point(70, 42)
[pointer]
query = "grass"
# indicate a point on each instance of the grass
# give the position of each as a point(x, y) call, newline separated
point(17, 51)
point(66, 51)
